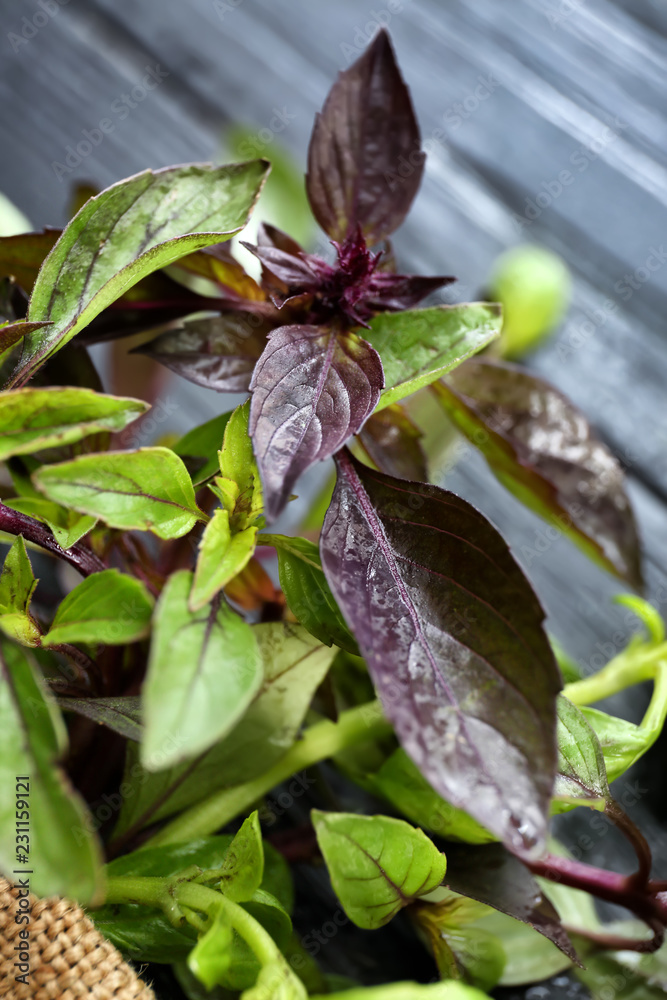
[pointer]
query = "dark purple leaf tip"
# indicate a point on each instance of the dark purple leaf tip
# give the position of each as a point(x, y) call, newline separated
point(364, 161)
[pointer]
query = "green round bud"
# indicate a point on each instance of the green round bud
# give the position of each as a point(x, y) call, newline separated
point(533, 285)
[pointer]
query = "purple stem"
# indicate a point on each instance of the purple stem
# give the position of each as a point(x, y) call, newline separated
point(623, 890)
point(79, 556)
point(634, 835)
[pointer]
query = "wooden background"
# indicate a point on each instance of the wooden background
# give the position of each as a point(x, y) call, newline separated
point(573, 84)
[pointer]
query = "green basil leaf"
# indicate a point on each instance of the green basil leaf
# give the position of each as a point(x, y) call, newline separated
point(128, 231)
point(193, 989)
point(161, 862)
point(400, 781)
point(204, 443)
point(62, 854)
point(207, 853)
point(491, 875)
point(144, 934)
point(211, 958)
point(121, 714)
point(450, 990)
point(68, 526)
point(419, 346)
point(204, 670)
point(276, 981)
point(17, 585)
point(245, 969)
point(242, 871)
point(229, 539)
point(107, 607)
point(530, 957)
point(144, 490)
point(623, 743)
point(527, 927)
point(222, 556)
point(33, 419)
point(461, 951)
point(270, 913)
point(377, 864)
point(581, 777)
point(626, 978)
point(307, 592)
point(241, 487)
point(295, 664)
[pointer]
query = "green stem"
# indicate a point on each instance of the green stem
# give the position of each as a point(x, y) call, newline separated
point(324, 739)
point(136, 889)
point(162, 892)
point(623, 671)
point(199, 897)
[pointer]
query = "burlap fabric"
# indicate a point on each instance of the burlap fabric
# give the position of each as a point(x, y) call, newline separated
point(69, 958)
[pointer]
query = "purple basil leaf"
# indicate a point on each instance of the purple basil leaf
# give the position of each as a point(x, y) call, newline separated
point(542, 448)
point(492, 875)
point(22, 255)
point(217, 352)
point(12, 333)
point(391, 441)
point(364, 161)
point(313, 387)
point(395, 292)
point(452, 634)
point(271, 236)
point(292, 271)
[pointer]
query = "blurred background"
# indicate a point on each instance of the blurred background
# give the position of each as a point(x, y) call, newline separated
point(545, 123)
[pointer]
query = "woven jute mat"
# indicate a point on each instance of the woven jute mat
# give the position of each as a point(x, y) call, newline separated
point(69, 958)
